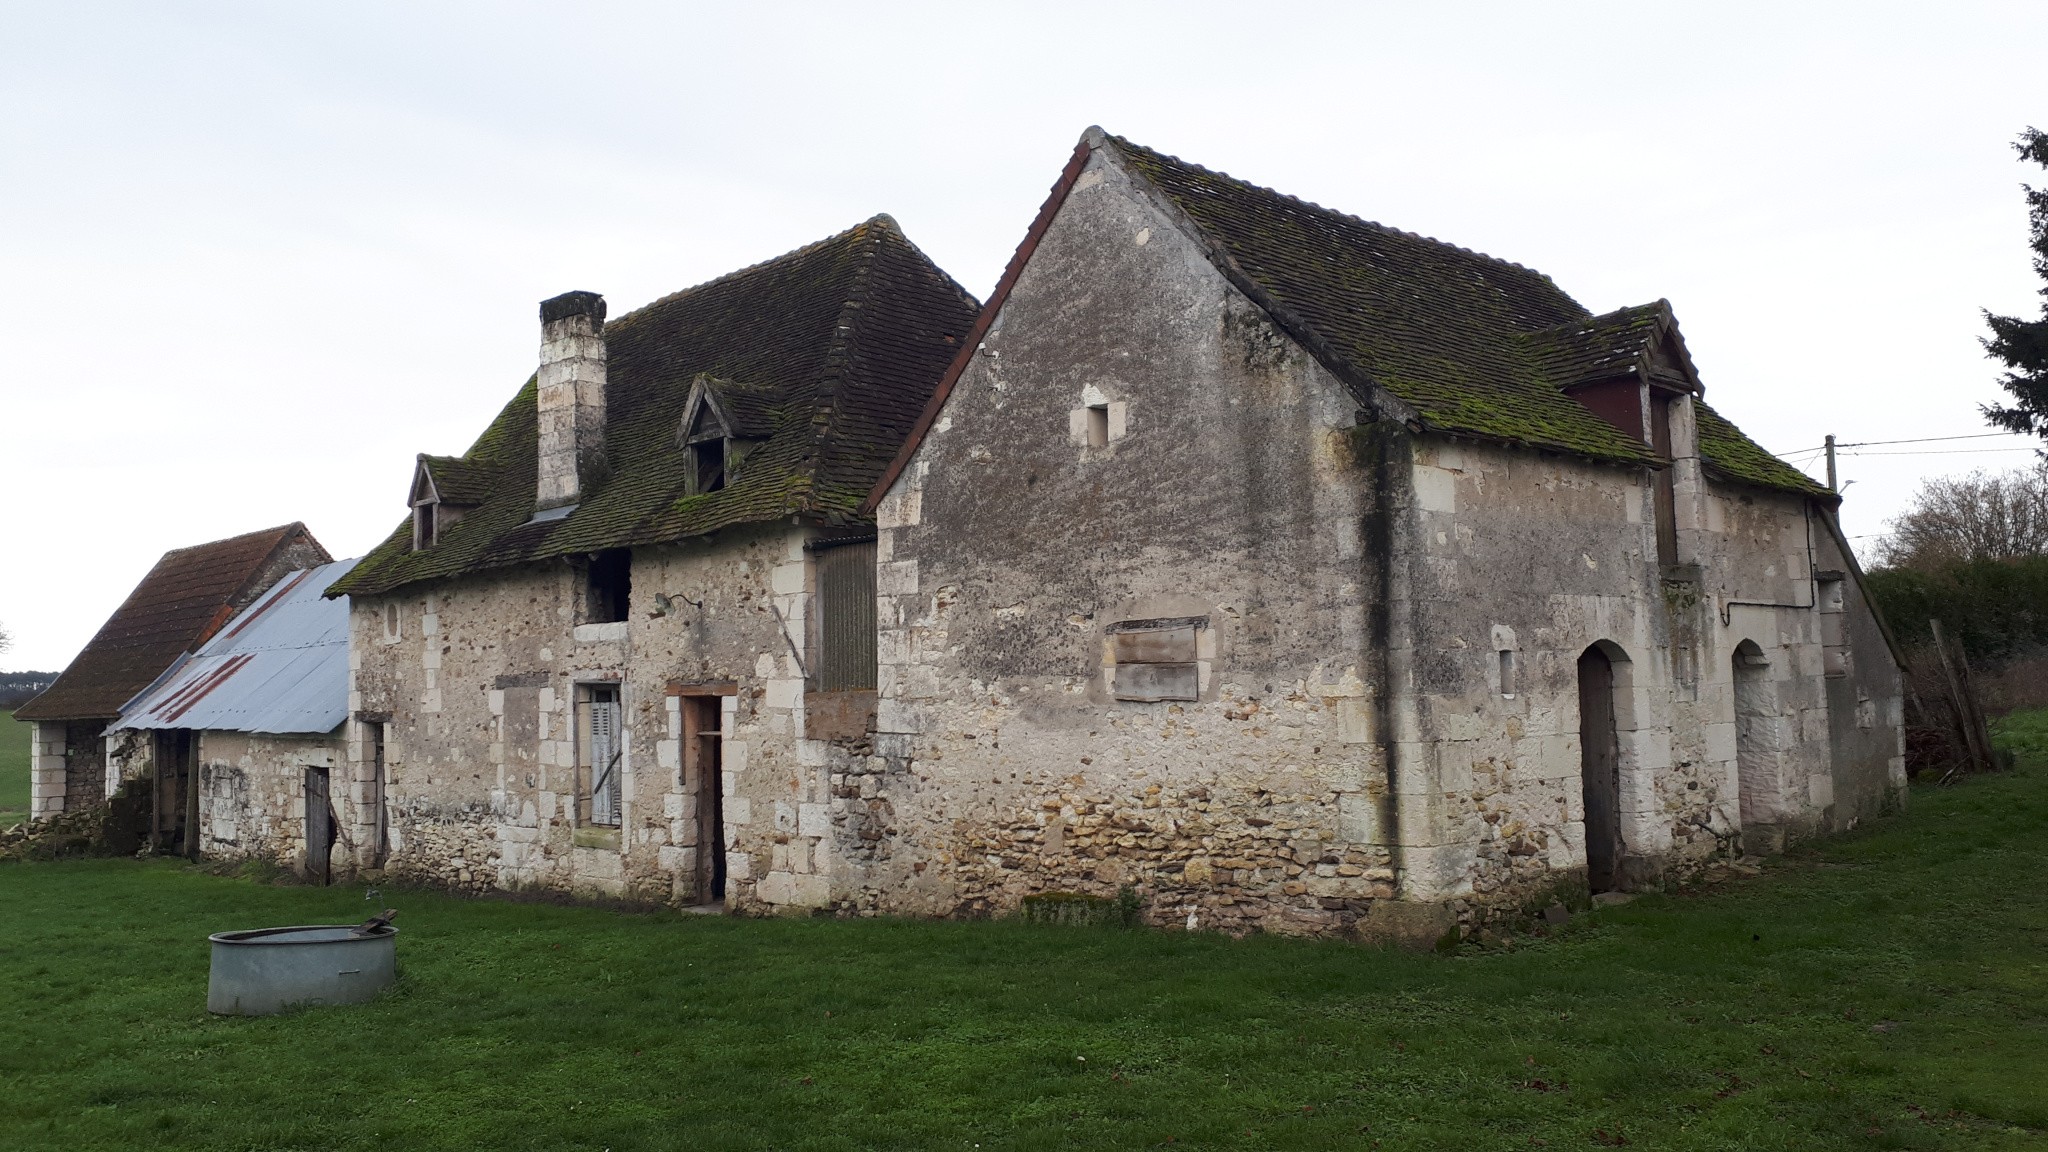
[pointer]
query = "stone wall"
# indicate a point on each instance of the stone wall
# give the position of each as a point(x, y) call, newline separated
point(54, 781)
point(475, 689)
point(252, 801)
point(1216, 483)
point(1133, 441)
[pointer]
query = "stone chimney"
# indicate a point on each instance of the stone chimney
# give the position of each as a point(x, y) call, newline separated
point(571, 383)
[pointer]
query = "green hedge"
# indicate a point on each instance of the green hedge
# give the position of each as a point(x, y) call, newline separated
point(1998, 608)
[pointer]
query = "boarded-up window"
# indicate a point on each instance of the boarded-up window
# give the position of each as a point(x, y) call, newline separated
point(603, 754)
point(846, 616)
point(1155, 659)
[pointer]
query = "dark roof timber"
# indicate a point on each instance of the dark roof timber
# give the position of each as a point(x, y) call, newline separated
point(825, 355)
point(1437, 337)
point(186, 598)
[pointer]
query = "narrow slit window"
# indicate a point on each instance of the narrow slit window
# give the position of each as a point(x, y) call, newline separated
point(1098, 425)
point(1507, 673)
point(1834, 638)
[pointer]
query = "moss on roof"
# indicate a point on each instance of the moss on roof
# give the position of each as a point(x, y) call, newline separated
point(848, 336)
point(1729, 455)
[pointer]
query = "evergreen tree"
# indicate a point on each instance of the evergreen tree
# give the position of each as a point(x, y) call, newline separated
point(2022, 345)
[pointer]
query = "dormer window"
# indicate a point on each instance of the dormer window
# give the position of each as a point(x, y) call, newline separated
point(721, 422)
point(439, 500)
point(426, 502)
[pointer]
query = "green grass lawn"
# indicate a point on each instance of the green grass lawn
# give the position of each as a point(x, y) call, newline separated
point(14, 737)
point(1888, 989)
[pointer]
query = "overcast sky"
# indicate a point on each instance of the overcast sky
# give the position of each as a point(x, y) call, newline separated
point(254, 257)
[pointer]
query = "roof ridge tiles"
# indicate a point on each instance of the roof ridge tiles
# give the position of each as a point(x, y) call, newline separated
point(881, 219)
point(1125, 142)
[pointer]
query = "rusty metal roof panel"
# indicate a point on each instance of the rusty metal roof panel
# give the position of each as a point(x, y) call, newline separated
point(280, 667)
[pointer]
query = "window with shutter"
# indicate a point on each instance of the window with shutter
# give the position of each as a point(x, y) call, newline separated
point(603, 755)
point(846, 617)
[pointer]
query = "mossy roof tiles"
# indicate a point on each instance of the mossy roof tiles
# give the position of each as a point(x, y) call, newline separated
point(1474, 345)
point(836, 348)
point(458, 481)
point(1731, 456)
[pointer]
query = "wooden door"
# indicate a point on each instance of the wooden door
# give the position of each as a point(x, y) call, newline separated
point(1599, 768)
point(319, 827)
point(704, 781)
point(174, 808)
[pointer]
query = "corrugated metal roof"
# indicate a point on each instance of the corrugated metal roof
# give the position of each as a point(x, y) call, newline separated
point(280, 667)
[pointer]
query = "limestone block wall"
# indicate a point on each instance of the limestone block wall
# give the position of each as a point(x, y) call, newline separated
point(474, 690)
point(1518, 563)
point(1134, 442)
point(50, 775)
point(1728, 722)
point(252, 801)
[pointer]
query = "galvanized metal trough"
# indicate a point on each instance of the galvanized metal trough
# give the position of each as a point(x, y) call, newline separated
point(265, 971)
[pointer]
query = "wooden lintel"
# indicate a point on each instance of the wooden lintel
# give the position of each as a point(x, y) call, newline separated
point(703, 688)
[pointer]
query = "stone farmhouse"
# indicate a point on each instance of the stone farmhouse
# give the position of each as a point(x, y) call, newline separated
point(80, 755)
point(625, 643)
point(1314, 576)
point(1302, 574)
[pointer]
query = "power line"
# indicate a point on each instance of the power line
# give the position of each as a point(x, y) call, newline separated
point(1939, 452)
point(1878, 443)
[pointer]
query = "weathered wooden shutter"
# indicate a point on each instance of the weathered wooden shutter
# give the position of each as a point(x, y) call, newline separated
point(846, 631)
point(604, 759)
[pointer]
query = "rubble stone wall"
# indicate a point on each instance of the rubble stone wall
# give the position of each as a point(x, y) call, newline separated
point(475, 691)
point(252, 802)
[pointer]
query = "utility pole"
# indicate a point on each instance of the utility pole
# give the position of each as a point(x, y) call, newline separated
point(1831, 463)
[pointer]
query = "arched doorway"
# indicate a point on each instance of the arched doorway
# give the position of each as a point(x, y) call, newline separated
point(1756, 747)
point(1600, 767)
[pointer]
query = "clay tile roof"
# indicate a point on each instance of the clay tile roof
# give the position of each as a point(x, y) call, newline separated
point(1469, 343)
point(1599, 347)
point(459, 481)
point(841, 342)
point(183, 601)
point(753, 410)
point(1729, 455)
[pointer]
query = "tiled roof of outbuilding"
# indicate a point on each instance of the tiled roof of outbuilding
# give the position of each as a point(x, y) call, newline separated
point(1471, 344)
point(184, 600)
point(1729, 454)
point(842, 341)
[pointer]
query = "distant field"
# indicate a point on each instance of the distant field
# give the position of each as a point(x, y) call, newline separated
point(13, 769)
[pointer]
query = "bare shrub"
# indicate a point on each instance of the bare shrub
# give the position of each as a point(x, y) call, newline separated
point(1982, 516)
